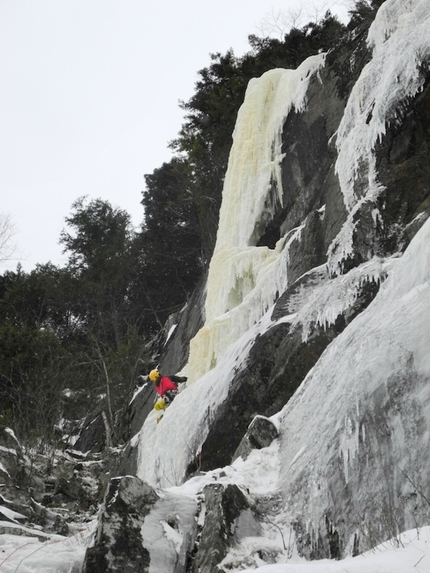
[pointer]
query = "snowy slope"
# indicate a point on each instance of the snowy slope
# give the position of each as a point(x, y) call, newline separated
point(26, 553)
point(410, 553)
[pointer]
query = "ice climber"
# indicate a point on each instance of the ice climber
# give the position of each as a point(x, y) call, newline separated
point(166, 387)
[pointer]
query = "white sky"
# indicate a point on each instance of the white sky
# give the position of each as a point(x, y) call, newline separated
point(89, 93)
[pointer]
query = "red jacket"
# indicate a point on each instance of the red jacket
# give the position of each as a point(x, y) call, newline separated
point(164, 385)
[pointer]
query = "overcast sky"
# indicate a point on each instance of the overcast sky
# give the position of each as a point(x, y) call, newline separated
point(89, 93)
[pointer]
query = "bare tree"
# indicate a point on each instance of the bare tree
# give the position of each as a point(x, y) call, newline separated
point(278, 23)
point(7, 232)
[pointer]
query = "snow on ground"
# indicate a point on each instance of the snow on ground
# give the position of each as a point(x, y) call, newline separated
point(22, 553)
point(409, 553)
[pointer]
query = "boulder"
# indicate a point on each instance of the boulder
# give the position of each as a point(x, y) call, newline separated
point(260, 434)
point(228, 518)
point(118, 546)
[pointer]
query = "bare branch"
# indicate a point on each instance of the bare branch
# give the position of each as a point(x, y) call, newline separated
point(7, 232)
point(278, 23)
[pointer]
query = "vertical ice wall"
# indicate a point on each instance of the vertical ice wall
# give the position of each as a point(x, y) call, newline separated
point(400, 41)
point(244, 279)
point(366, 400)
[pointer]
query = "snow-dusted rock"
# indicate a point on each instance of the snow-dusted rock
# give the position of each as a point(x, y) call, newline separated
point(118, 544)
point(227, 518)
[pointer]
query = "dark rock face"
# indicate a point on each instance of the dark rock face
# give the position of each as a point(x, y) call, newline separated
point(92, 436)
point(175, 354)
point(228, 517)
point(138, 410)
point(119, 545)
point(403, 163)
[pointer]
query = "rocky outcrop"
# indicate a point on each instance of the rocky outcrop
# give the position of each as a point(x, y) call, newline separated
point(118, 545)
point(139, 531)
point(47, 493)
point(228, 517)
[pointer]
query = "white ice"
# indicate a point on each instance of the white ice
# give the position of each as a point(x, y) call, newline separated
point(399, 39)
point(322, 421)
point(244, 279)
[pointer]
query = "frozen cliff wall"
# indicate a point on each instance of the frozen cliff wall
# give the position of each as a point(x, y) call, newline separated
point(317, 298)
point(330, 229)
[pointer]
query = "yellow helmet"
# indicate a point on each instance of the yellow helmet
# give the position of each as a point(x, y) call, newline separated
point(154, 375)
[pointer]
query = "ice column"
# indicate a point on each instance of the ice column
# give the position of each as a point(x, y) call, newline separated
point(244, 279)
